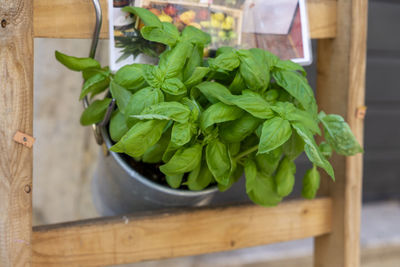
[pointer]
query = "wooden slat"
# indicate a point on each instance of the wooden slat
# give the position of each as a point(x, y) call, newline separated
point(75, 18)
point(124, 240)
point(16, 112)
point(341, 89)
point(322, 18)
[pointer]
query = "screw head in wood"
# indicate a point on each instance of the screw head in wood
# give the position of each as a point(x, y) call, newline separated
point(27, 189)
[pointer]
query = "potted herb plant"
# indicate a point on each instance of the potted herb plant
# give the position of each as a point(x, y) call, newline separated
point(187, 126)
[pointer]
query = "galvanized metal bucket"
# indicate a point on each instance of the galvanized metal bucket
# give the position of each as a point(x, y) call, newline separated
point(119, 189)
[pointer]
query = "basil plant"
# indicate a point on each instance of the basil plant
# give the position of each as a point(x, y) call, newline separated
point(206, 122)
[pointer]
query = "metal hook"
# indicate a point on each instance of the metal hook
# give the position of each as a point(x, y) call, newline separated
point(109, 111)
point(92, 54)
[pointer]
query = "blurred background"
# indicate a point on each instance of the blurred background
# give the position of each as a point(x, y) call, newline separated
point(65, 153)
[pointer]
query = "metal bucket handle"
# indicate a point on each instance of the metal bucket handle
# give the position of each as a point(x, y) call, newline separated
point(92, 54)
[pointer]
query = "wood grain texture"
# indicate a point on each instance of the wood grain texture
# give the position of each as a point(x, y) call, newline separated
point(125, 240)
point(322, 18)
point(75, 18)
point(16, 88)
point(67, 19)
point(341, 90)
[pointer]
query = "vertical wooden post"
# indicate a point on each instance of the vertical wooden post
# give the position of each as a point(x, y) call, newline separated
point(16, 97)
point(340, 90)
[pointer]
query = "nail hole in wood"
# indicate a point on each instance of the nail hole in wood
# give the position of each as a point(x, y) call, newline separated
point(3, 23)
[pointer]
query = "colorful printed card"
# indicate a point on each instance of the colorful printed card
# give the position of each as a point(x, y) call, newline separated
point(278, 26)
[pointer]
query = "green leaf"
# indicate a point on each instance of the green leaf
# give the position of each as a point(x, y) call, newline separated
point(214, 91)
point(224, 49)
point(140, 138)
point(239, 129)
point(267, 163)
point(294, 146)
point(199, 178)
point(339, 135)
point(218, 161)
point(256, 77)
point(174, 181)
point(159, 35)
point(233, 178)
point(121, 95)
point(165, 111)
point(259, 187)
point(312, 150)
point(172, 31)
point(172, 62)
point(284, 177)
point(181, 134)
point(264, 57)
point(271, 95)
point(288, 111)
point(195, 60)
point(153, 76)
point(155, 153)
point(234, 148)
point(197, 76)
point(130, 77)
point(86, 74)
point(76, 63)
point(237, 84)
point(173, 86)
point(118, 126)
point(305, 119)
point(250, 171)
point(218, 113)
point(95, 85)
point(311, 183)
point(227, 61)
point(297, 86)
point(195, 36)
point(275, 132)
point(325, 149)
point(194, 108)
point(253, 103)
point(138, 101)
point(95, 112)
point(291, 66)
point(249, 101)
point(148, 18)
point(169, 152)
point(184, 160)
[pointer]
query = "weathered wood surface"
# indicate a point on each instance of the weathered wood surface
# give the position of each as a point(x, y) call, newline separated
point(16, 88)
point(125, 240)
point(341, 89)
point(75, 18)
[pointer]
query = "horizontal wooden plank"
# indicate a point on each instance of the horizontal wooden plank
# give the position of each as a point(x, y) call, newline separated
point(75, 18)
point(118, 240)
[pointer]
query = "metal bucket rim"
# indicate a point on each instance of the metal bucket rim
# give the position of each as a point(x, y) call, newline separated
point(135, 175)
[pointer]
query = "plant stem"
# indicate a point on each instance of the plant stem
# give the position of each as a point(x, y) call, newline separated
point(211, 76)
point(246, 152)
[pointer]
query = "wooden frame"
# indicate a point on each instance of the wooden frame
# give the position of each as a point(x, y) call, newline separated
point(333, 220)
